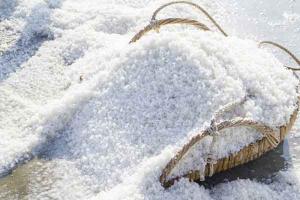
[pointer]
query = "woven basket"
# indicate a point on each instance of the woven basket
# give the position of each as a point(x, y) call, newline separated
point(245, 155)
point(269, 141)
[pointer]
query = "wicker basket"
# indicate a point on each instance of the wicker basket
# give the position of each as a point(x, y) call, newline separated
point(269, 141)
point(245, 155)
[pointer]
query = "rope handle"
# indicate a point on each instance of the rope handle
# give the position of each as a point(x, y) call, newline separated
point(156, 24)
point(191, 4)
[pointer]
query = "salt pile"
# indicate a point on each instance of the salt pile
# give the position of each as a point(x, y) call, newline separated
point(163, 90)
point(110, 135)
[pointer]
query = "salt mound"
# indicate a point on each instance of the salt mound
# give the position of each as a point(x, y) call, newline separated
point(163, 90)
point(110, 140)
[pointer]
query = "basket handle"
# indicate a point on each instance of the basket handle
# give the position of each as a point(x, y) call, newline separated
point(155, 25)
point(191, 4)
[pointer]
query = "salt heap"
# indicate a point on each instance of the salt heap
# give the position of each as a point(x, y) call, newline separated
point(137, 104)
point(160, 92)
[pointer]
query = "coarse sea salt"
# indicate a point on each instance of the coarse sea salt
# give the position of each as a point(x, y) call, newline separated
point(163, 90)
point(137, 104)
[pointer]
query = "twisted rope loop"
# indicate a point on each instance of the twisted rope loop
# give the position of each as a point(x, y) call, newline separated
point(191, 4)
point(214, 132)
point(156, 24)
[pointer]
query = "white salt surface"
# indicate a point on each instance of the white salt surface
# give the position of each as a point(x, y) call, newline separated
point(109, 136)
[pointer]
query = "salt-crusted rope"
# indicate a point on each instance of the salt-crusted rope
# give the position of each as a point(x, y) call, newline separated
point(191, 4)
point(214, 132)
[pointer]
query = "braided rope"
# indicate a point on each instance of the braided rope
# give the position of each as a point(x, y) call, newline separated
point(156, 24)
point(194, 5)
